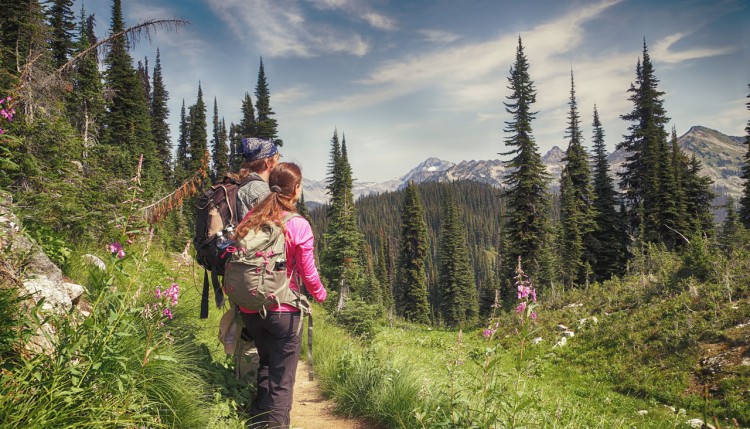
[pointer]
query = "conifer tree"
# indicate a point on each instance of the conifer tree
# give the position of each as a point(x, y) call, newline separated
point(85, 102)
point(302, 207)
point(248, 124)
point(744, 211)
point(729, 236)
point(698, 198)
point(182, 157)
point(678, 170)
point(341, 257)
point(221, 151)
point(235, 147)
point(610, 236)
point(459, 305)
point(266, 125)
point(159, 120)
point(642, 177)
point(128, 124)
point(411, 278)
point(577, 213)
point(198, 142)
point(381, 271)
point(526, 184)
point(62, 27)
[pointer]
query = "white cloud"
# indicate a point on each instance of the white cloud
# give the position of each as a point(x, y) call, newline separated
point(662, 50)
point(379, 21)
point(292, 95)
point(280, 27)
point(439, 36)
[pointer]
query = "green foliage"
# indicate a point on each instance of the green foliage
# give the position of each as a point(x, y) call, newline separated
point(745, 199)
point(10, 304)
point(53, 244)
point(526, 184)
point(266, 124)
point(359, 319)
point(410, 291)
point(159, 120)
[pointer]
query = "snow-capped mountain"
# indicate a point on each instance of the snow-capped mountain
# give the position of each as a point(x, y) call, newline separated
point(722, 158)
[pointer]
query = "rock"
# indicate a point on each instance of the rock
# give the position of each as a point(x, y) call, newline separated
point(561, 327)
point(568, 333)
point(55, 296)
point(74, 291)
point(536, 340)
point(642, 412)
point(745, 362)
point(573, 305)
point(560, 343)
point(695, 423)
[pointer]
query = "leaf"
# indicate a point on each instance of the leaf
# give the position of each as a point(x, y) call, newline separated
point(165, 358)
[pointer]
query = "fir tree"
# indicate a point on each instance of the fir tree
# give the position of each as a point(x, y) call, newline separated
point(642, 177)
point(411, 279)
point(698, 198)
point(340, 258)
point(128, 124)
point(85, 102)
point(730, 237)
point(159, 120)
point(458, 292)
point(526, 184)
point(266, 125)
point(198, 133)
point(577, 213)
point(248, 124)
point(62, 30)
point(744, 211)
point(221, 151)
point(182, 158)
point(610, 236)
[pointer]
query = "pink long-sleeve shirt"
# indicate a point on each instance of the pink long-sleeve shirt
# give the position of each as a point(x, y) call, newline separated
point(299, 248)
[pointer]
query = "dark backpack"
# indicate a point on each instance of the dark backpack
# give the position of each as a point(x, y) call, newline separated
point(216, 213)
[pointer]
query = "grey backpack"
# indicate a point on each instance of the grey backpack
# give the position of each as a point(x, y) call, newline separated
point(255, 275)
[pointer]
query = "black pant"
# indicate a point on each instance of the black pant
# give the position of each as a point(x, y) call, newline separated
point(278, 348)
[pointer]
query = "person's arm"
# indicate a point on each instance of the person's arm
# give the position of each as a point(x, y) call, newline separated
point(304, 259)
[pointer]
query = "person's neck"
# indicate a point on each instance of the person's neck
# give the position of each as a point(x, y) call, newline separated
point(264, 175)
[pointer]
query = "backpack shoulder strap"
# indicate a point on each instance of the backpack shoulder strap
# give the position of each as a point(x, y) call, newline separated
point(287, 217)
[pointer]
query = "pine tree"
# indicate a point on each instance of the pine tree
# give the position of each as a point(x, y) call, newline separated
point(698, 198)
point(248, 124)
point(730, 236)
point(235, 147)
point(610, 236)
point(526, 184)
point(458, 292)
point(159, 120)
point(341, 257)
point(182, 157)
point(411, 279)
point(643, 170)
point(221, 151)
point(198, 142)
point(744, 212)
point(85, 102)
point(577, 213)
point(128, 124)
point(266, 125)
point(62, 27)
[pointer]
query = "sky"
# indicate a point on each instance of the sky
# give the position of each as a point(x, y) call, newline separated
point(404, 80)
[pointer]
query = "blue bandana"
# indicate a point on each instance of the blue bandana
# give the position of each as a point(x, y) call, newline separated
point(254, 148)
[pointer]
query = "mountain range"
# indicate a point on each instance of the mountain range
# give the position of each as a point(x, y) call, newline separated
point(721, 155)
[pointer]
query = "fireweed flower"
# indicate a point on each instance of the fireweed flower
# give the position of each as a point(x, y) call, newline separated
point(167, 312)
point(488, 333)
point(116, 250)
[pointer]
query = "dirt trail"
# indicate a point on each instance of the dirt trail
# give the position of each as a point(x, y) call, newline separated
point(312, 411)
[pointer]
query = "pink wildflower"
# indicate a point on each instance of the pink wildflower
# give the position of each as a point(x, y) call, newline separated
point(167, 312)
point(116, 250)
point(533, 315)
point(488, 333)
point(521, 307)
point(158, 292)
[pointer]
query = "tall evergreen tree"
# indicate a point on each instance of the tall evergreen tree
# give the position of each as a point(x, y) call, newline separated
point(221, 151)
point(411, 279)
point(643, 177)
point(526, 184)
point(182, 157)
point(198, 132)
point(128, 124)
point(159, 120)
point(248, 124)
point(698, 198)
point(266, 125)
point(63, 27)
point(341, 257)
point(235, 147)
point(577, 213)
point(85, 102)
point(610, 236)
point(744, 211)
point(459, 305)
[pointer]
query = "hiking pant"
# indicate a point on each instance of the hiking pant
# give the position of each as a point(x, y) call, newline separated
point(278, 349)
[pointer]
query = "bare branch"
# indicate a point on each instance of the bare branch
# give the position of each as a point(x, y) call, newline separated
point(678, 233)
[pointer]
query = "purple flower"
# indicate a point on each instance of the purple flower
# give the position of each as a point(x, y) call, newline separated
point(488, 333)
point(116, 250)
point(167, 312)
point(521, 307)
point(533, 315)
point(158, 292)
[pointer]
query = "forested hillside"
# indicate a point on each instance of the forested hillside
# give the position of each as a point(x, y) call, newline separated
point(481, 208)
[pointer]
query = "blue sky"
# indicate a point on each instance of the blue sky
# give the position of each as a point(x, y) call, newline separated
point(405, 80)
